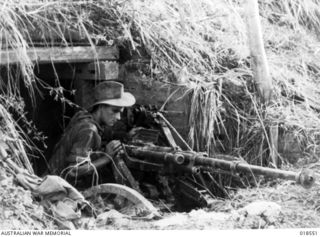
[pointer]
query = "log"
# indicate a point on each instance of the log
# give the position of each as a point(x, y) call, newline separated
point(259, 63)
point(102, 70)
point(78, 54)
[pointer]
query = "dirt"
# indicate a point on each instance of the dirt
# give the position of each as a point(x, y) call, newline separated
point(298, 209)
point(18, 209)
point(274, 205)
point(281, 204)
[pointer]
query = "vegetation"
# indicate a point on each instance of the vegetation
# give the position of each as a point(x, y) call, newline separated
point(197, 44)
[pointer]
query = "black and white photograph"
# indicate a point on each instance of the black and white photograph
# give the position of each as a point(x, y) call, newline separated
point(159, 115)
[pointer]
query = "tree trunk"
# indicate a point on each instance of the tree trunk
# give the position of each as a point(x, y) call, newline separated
point(260, 68)
point(259, 63)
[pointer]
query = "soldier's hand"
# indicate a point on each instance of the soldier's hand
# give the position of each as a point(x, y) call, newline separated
point(113, 147)
point(133, 132)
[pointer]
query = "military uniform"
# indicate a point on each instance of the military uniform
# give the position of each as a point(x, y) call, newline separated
point(81, 141)
point(81, 137)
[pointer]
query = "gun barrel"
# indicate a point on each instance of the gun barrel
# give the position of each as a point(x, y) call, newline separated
point(192, 159)
point(245, 167)
point(305, 177)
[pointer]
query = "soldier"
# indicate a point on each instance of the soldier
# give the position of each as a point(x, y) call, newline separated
point(78, 153)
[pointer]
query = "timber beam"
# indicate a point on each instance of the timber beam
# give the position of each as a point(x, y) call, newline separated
point(77, 54)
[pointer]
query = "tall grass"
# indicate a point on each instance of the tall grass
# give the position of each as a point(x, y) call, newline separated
point(199, 44)
point(9, 134)
point(295, 13)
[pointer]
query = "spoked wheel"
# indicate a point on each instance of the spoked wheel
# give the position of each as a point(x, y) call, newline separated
point(122, 198)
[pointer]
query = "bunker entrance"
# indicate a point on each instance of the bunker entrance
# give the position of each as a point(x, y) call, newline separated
point(54, 106)
point(63, 89)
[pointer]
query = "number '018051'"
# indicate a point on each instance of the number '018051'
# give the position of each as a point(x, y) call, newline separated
point(308, 232)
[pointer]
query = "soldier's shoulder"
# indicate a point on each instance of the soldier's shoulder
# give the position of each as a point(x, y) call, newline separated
point(87, 124)
point(84, 120)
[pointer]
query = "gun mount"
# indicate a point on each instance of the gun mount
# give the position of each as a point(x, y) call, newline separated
point(158, 167)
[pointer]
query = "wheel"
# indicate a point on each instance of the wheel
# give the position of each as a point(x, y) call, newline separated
point(122, 198)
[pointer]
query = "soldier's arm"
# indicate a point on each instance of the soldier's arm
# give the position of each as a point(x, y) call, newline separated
point(85, 155)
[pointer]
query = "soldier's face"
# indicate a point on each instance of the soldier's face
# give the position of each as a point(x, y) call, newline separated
point(110, 115)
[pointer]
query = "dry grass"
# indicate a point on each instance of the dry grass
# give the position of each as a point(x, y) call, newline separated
point(12, 138)
point(198, 44)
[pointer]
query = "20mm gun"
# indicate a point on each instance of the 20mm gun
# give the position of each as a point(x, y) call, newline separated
point(153, 164)
point(187, 161)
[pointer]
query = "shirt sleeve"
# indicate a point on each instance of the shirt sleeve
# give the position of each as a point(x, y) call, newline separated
point(85, 141)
